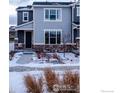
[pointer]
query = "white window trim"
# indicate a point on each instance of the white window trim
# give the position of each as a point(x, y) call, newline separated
point(27, 16)
point(50, 30)
point(78, 11)
point(48, 20)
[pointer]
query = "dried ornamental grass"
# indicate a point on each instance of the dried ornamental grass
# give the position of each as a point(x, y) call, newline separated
point(32, 84)
point(51, 78)
point(71, 79)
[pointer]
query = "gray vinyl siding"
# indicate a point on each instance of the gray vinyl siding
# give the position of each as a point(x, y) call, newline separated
point(76, 18)
point(40, 25)
point(20, 17)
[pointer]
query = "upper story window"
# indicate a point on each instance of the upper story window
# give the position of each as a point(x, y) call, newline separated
point(25, 16)
point(78, 11)
point(52, 14)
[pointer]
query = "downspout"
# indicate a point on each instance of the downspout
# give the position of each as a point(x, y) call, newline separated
point(72, 22)
point(73, 6)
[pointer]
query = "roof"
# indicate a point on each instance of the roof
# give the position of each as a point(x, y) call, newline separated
point(12, 28)
point(25, 26)
point(29, 7)
point(52, 3)
point(77, 23)
point(25, 7)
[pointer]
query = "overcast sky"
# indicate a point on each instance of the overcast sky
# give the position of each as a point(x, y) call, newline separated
point(13, 4)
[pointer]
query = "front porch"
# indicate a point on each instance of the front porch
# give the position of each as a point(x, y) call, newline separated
point(24, 34)
point(76, 34)
point(24, 39)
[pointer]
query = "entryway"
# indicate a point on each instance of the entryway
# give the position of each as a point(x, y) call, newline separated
point(28, 40)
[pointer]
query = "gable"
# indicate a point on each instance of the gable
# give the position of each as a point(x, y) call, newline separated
point(26, 26)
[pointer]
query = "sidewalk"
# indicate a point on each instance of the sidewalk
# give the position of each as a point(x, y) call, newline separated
point(25, 59)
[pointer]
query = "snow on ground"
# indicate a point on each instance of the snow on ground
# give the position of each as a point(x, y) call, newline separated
point(16, 58)
point(69, 60)
point(16, 79)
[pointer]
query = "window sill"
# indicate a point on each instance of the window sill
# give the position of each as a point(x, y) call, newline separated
point(52, 20)
point(25, 21)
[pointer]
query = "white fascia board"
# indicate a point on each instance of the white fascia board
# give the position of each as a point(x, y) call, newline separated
point(18, 27)
point(24, 24)
point(24, 9)
point(24, 29)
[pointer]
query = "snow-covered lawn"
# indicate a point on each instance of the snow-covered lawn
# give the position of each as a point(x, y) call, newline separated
point(16, 79)
point(69, 59)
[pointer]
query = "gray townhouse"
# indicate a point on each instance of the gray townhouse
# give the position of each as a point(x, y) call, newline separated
point(12, 33)
point(76, 22)
point(46, 24)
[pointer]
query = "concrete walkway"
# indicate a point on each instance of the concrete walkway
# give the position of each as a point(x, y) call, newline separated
point(24, 68)
point(25, 59)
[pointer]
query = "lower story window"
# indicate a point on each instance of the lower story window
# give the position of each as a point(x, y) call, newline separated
point(52, 37)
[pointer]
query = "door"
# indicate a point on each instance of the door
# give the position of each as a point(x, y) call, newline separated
point(28, 39)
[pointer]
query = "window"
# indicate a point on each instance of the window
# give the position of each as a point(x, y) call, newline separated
point(78, 11)
point(52, 36)
point(52, 14)
point(47, 37)
point(25, 16)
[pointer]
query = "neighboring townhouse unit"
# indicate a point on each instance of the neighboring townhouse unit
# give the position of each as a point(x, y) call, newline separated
point(45, 23)
point(76, 22)
point(12, 33)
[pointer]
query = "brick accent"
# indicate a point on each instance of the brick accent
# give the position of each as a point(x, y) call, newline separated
point(53, 48)
point(49, 48)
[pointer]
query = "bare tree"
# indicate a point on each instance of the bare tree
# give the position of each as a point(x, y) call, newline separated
point(19, 2)
point(66, 38)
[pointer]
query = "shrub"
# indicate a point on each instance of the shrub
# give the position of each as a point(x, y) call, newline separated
point(51, 78)
point(71, 79)
point(11, 54)
point(55, 56)
point(40, 54)
point(32, 84)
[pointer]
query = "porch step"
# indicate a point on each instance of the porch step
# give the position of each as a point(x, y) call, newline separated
point(28, 52)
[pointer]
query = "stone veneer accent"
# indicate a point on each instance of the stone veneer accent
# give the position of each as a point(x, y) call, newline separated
point(53, 48)
point(49, 48)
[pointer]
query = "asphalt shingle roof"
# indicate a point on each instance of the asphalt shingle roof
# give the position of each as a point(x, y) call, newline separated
point(52, 3)
point(28, 7)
